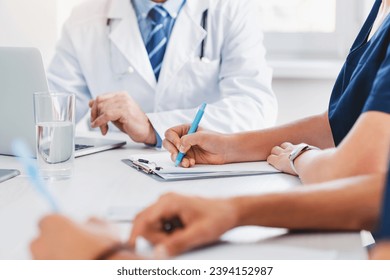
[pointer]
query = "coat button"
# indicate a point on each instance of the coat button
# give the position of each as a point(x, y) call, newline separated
point(130, 70)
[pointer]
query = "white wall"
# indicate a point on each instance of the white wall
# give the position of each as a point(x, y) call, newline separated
point(64, 7)
point(33, 23)
point(29, 23)
point(299, 98)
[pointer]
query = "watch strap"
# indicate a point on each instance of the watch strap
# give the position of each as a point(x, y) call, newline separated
point(298, 152)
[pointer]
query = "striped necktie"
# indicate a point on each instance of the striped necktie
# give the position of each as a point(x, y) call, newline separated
point(158, 40)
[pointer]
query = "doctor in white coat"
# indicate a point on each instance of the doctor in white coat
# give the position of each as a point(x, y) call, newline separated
point(214, 54)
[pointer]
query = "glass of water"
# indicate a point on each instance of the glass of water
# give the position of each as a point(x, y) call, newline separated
point(55, 129)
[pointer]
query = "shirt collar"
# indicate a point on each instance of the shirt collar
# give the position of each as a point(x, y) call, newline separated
point(143, 7)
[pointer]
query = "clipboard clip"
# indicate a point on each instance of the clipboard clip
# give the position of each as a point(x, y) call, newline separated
point(145, 166)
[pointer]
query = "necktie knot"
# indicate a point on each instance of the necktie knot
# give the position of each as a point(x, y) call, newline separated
point(158, 14)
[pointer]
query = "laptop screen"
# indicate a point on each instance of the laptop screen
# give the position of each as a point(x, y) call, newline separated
point(384, 226)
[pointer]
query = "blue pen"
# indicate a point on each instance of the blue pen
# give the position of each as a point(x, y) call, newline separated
point(193, 128)
point(21, 150)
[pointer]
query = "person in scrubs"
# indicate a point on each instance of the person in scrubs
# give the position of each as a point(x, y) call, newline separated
point(146, 65)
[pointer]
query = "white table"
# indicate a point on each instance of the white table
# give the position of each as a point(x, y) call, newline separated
point(101, 183)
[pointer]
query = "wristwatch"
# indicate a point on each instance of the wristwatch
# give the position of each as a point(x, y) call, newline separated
point(299, 150)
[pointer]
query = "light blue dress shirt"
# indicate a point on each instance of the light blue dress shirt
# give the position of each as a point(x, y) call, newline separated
point(142, 9)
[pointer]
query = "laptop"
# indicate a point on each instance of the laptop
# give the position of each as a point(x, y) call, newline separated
point(21, 74)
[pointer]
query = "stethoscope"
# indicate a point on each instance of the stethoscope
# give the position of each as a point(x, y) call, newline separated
point(204, 41)
point(130, 70)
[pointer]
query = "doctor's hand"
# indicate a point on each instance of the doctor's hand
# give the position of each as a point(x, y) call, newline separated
point(121, 109)
point(204, 221)
point(62, 239)
point(201, 147)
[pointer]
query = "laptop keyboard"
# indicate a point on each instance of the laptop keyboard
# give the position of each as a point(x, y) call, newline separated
point(81, 147)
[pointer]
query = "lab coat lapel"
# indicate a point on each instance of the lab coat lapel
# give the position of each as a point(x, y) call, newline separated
point(186, 37)
point(127, 37)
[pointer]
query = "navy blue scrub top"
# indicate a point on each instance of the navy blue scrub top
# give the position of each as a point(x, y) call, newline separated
point(364, 81)
point(384, 226)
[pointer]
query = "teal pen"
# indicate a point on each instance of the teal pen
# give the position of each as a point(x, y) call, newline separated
point(21, 150)
point(193, 128)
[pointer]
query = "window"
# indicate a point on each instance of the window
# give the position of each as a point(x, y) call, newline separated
point(310, 28)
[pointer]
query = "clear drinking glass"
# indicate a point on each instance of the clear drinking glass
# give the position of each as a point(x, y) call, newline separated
point(55, 129)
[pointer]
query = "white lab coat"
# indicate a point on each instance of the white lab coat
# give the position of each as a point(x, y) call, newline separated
point(93, 58)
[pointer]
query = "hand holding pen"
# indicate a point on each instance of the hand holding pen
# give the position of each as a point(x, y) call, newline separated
point(193, 129)
point(202, 147)
point(177, 223)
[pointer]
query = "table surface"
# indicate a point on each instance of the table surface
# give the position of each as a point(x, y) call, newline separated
point(103, 186)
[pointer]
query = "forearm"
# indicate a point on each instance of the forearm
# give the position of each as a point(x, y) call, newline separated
point(257, 145)
point(364, 151)
point(349, 204)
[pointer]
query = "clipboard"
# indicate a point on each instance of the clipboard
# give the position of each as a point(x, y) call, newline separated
point(160, 165)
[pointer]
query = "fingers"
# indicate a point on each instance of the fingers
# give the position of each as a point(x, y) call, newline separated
point(104, 129)
point(198, 226)
point(173, 142)
point(94, 109)
point(272, 159)
point(186, 162)
point(276, 153)
point(171, 148)
point(90, 103)
point(148, 222)
point(173, 136)
point(103, 120)
point(286, 145)
point(276, 150)
point(106, 108)
point(94, 105)
point(188, 141)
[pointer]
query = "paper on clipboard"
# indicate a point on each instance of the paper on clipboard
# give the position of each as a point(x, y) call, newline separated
point(161, 165)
